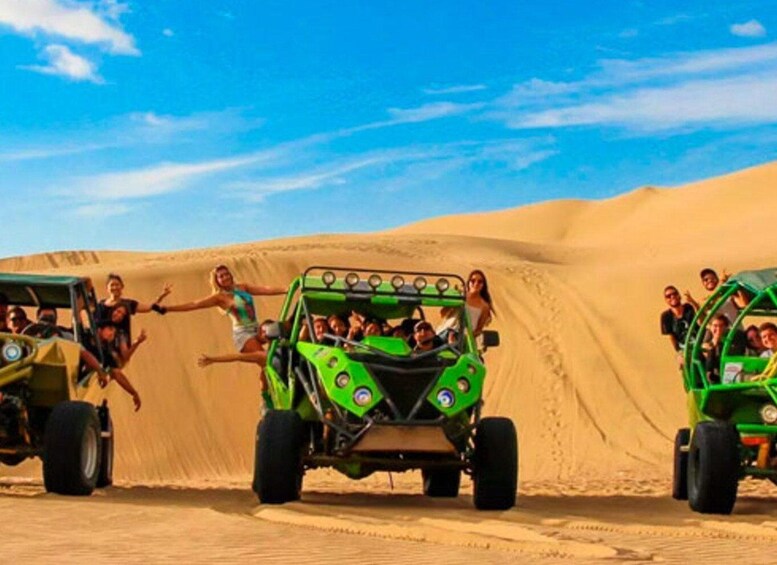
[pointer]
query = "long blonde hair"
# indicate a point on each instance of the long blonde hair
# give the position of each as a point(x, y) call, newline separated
point(214, 285)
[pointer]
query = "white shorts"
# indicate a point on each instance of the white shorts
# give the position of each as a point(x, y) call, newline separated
point(241, 335)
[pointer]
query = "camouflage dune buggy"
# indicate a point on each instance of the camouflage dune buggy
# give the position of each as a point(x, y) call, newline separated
point(43, 384)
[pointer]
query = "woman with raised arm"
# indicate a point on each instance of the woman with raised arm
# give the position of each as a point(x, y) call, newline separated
point(236, 301)
point(479, 305)
point(115, 286)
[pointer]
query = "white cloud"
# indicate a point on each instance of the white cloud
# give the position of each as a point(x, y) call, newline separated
point(629, 33)
point(156, 180)
point(713, 88)
point(71, 20)
point(675, 19)
point(135, 129)
point(435, 161)
point(432, 111)
point(167, 32)
point(752, 28)
point(456, 89)
point(737, 101)
point(63, 62)
point(102, 210)
point(256, 190)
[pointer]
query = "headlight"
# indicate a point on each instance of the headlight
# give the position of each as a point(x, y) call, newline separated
point(11, 352)
point(419, 283)
point(328, 278)
point(442, 285)
point(769, 414)
point(351, 279)
point(471, 369)
point(362, 396)
point(374, 281)
point(342, 380)
point(446, 398)
point(332, 363)
point(397, 282)
point(463, 385)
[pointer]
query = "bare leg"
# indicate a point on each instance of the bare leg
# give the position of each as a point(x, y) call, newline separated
point(253, 345)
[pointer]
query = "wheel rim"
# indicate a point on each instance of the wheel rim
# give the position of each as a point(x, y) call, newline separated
point(89, 453)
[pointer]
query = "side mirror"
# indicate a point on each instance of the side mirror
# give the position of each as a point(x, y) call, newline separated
point(490, 338)
point(275, 330)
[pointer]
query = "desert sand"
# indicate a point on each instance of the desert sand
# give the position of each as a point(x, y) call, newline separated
point(582, 370)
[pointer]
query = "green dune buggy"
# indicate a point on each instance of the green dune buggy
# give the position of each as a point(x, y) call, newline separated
point(732, 409)
point(43, 385)
point(376, 403)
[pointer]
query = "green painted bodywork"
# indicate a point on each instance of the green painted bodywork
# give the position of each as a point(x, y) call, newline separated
point(468, 367)
point(330, 362)
point(736, 402)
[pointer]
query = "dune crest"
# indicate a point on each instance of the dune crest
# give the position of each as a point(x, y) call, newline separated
point(582, 369)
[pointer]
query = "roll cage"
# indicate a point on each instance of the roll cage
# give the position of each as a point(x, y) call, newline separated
point(75, 294)
point(725, 399)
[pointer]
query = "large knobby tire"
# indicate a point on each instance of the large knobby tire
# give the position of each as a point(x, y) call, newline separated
point(278, 463)
point(495, 465)
point(105, 477)
point(11, 459)
point(713, 468)
point(442, 483)
point(680, 475)
point(72, 449)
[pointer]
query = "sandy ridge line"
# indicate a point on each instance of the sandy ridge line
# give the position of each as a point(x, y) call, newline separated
point(714, 530)
point(515, 539)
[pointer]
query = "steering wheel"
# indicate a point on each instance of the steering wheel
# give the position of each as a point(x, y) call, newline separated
point(43, 331)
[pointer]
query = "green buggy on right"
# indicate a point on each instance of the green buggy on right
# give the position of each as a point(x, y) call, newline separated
point(732, 405)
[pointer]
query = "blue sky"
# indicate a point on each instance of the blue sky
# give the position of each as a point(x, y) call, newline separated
point(168, 125)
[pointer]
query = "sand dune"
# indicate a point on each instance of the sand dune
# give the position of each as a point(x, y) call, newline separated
point(582, 369)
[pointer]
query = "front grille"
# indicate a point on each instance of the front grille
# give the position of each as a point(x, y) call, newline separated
point(405, 387)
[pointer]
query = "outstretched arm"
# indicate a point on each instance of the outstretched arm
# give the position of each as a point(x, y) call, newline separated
point(263, 290)
point(143, 307)
point(119, 376)
point(259, 357)
point(207, 302)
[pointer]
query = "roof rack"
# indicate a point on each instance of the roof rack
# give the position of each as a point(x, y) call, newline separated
point(391, 282)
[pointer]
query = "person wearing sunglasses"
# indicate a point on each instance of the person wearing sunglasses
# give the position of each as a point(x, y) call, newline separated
point(425, 338)
point(676, 320)
point(17, 319)
point(479, 305)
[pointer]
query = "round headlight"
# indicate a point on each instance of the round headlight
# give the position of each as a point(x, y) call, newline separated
point(351, 279)
point(463, 385)
point(374, 281)
point(769, 414)
point(362, 396)
point(471, 369)
point(419, 283)
point(442, 285)
point(12, 352)
point(342, 380)
point(328, 278)
point(446, 398)
point(332, 363)
point(397, 282)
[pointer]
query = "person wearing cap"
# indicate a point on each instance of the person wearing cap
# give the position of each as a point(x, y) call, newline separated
point(425, 338)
